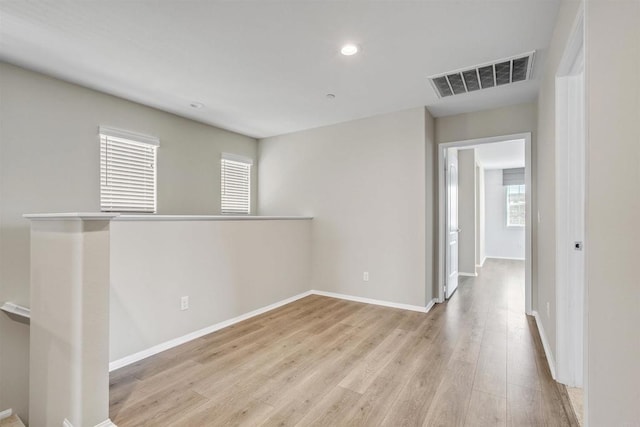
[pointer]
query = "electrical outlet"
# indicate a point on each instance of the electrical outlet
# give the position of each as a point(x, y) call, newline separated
point(548, 310)
point(365, 276)
point(184, 303)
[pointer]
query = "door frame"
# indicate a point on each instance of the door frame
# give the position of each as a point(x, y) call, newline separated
point(442, 207)
point(571, 323)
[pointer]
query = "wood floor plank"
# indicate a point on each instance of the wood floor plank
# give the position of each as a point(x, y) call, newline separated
point(412, 405)
point(476, 360)
point(231, 406)
point(491, 372)
point(451, 402)
point(361, 377)
point(524, 407)
point(486, 410)
point(159, 409)
point(328, 412)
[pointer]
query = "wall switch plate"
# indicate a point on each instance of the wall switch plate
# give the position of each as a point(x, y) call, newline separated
point(365, 276)
point(184, 303)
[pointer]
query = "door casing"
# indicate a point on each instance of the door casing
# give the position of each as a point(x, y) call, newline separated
point(442, 241)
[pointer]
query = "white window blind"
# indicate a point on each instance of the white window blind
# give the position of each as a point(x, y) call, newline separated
point(127, 171)
point(236, 184)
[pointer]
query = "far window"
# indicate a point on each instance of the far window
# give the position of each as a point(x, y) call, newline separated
point(236, 184)
point(515, 205)
point(127, 171)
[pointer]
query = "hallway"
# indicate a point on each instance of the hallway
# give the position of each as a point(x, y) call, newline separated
point(512, 375)
point(475, 361)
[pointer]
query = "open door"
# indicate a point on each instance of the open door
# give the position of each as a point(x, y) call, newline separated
point(452, 222)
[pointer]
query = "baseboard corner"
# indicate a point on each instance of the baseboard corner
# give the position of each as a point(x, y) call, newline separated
point(373, 301)
point(6, 413)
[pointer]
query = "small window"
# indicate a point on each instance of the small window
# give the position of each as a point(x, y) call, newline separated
point(515, 206)
point(127, 171)
point(236, 184)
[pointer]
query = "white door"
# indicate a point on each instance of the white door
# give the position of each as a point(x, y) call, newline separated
point(452, 222)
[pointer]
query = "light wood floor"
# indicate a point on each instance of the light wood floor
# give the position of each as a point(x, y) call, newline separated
point(12, 421)
point(474, 361)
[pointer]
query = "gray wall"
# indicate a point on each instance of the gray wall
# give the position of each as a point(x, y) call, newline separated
point(515, 119)
point(50, 163)
point(368, 185)
point(467, 211)
point(226, 268)
point(613, 207)
point(500, 241)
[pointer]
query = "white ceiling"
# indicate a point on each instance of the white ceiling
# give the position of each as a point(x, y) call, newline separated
point(501, 155)
point(264, 68)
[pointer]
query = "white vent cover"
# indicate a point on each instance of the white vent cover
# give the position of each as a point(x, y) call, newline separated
point(502, 72)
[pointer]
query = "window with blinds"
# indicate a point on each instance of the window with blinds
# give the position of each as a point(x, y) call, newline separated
point(127, 171)
point(515, 205)
point(236, 184)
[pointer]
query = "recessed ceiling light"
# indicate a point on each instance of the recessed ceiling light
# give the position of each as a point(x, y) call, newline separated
point(349, 49)
point(196, 105)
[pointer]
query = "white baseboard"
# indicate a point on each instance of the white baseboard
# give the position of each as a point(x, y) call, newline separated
point(504, 257)
point(128, 360)
point(545, 344)
point(467, 274)
point(377, 302)
point(6, 413)
point(105, 423)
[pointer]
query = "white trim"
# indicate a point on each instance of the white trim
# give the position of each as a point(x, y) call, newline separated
point(545, 344)
point(430, 305)
point(442, 202)
point(6, 413)
point(468, 274)
point(505, 257)
point(105, 423)
point(16, 309)
point(154, 217)
point(66, 216)
point(116, 364)
point(570, 187)
point(128, 135)
point(377, 302)
point(237, 158)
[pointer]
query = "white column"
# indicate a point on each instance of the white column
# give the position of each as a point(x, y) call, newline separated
point(69, 354)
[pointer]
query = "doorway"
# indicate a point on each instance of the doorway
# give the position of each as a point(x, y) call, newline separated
point(447, 278)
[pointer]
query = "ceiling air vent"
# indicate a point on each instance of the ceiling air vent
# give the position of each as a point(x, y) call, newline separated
point(502, 72)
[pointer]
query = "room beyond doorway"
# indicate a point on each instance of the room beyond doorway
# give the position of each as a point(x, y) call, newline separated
point(495, 170)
